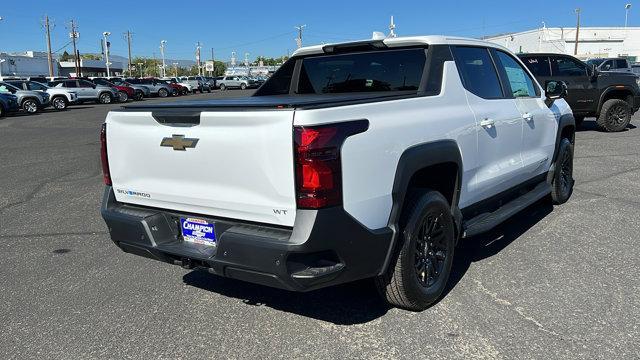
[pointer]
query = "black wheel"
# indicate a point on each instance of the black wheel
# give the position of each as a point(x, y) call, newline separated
point(419, 273)
point(243, 86)
point(562, 182)
point(579, 120)
point(138, 95)
point(123, 96)
point(174, 92)
point(184, 91)
point(223, 87)
point(614, 116)
point(105, 98)
point(59, 103)
point(30, 106)
point(163, 93)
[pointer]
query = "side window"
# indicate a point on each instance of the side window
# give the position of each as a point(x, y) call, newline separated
point(478, 71)
point(564, 66)
point(520, 82)
point(85, 84)
point(607, 65)
point(621, 64)
point(538, 65)
point(70, 84)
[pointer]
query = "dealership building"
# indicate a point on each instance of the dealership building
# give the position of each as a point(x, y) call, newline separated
point(593, 42)
point(34, 63)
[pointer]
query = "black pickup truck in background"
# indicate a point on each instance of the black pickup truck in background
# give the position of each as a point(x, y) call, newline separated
point(611, 97)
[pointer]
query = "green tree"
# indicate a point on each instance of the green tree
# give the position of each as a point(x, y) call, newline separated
point(65, 56)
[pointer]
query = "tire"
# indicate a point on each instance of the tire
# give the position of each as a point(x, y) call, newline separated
point(420, 271)
point(163, 93)
point(59, 103)
point(562, 182)
point(123, 96)
point(579, 120)
point(138, 95)
point(174, 92)
point(223, 87)
point(209, 90)
point(105, 98)
point(243, 86)
point(30, 106)
point(615, 115)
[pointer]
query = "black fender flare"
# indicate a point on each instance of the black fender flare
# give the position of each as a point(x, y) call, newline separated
point(565, 121)
point(610, 89)
point(411, 161)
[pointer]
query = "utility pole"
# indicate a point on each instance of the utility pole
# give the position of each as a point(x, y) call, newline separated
point(49, 55)
point(74, 36)
point(213, 61)
point(105, 36)
point(299, 38)
point(155, 63)
point(128, 37)
point(141, 65)
point(627, 7)
point(175, 69)
point(163, 43)
point(392, 29)
point(198, 58)
point(575, 51)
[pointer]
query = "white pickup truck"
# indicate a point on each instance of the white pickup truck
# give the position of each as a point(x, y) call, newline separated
point(355, 160)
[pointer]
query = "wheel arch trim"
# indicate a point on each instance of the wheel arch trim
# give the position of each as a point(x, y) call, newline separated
point(411, 161)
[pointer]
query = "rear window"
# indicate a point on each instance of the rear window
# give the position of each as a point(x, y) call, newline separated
point(383, 71)
point(538, 65)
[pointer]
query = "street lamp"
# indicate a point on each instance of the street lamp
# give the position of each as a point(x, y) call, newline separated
point(175, 69)
point(140, 65)
point(163, 43)
point(105, 35)
point(627, 7)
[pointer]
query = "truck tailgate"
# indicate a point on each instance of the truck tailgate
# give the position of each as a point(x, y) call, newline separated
point(241, 166)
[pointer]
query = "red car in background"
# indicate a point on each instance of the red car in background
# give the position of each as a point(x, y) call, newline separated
point(124, 92)
point(177, 88)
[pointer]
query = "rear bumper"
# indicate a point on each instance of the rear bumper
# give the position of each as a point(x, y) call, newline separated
point(325, 247)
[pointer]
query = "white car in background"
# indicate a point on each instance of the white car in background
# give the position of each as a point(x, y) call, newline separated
point(60, 98)
point(179, 81)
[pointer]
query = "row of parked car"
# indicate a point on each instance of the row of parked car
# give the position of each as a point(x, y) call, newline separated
point(34, 94)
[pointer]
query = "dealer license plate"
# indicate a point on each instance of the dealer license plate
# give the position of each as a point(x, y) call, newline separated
point(198, 231)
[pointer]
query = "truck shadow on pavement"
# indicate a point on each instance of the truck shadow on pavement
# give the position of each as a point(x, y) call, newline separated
point(590, 125)
point(359, 302)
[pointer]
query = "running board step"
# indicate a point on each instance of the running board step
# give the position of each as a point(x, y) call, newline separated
point(487, 221)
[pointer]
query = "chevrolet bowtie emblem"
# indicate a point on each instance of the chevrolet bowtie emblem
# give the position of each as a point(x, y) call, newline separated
point(179, 142)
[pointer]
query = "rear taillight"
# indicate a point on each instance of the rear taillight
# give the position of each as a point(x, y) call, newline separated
point(106, 174)
point(317, 162)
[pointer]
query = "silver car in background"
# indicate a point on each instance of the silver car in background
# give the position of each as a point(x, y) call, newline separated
point(156, 87)
point(88, 91)
point(60, 99)
point(141, 91)
point(29, 101)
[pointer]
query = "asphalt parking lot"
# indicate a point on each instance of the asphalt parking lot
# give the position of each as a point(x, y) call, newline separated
point(551, 283)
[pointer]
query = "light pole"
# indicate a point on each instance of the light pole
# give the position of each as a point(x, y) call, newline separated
point(140, 65)
point(575, 50)
point(105, 35)
point(627, 7)
point(1, 60)
point(175, 69)
point(163, 43)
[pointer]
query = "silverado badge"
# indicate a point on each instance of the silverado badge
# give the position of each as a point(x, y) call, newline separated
point(179, 142)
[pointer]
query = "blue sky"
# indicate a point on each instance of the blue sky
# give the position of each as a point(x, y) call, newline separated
point(268, 30)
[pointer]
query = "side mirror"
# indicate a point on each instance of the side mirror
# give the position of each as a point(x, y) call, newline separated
point(555, 90)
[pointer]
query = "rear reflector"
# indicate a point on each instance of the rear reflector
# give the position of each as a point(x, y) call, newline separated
point(317, 162)
point(106, 174)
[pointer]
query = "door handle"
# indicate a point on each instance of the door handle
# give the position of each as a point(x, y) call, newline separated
point(528, 116)
point(487, 123)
